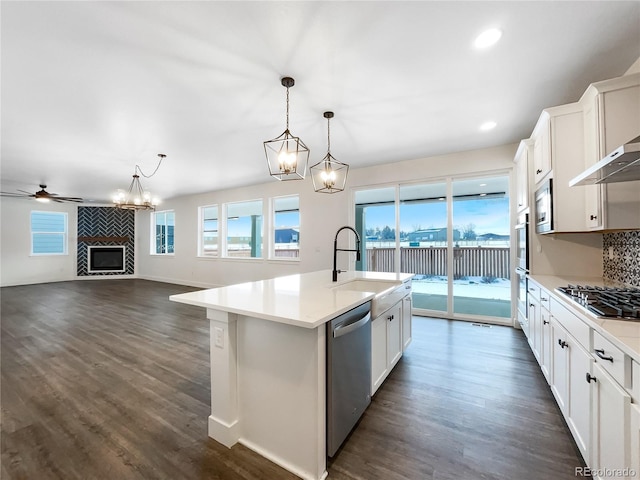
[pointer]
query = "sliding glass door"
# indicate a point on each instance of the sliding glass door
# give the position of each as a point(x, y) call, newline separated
point(481, 267)
point(453, 234)
point(423, 245)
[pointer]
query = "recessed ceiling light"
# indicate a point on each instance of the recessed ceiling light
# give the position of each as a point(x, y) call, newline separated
point(486, 126)
point(487, 38)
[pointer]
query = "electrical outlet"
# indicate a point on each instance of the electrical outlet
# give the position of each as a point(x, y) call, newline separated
point(218, 337)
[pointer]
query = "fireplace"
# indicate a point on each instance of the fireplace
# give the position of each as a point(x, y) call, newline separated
point(106, 259)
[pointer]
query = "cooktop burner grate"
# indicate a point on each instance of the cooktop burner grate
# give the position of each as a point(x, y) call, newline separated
point(621, 303)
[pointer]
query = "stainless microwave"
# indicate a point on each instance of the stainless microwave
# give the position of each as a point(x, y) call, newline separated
point(544, 208)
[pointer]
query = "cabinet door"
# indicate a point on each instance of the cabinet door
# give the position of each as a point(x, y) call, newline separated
point(378, 352)
point(611, 423)
point(394, 334)
point(406, 322)
point(546, 345)
point(635, 437)
point(534, 327)
point(542, 153)
point(522, 176)
point(560, 365)
point(579, 397)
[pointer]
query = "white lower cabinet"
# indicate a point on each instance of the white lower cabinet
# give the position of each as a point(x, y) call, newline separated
point(386, 344)
point(406, 322)
point(571, 364)
point(579, 419)
point(611, 414)
point(635, 438)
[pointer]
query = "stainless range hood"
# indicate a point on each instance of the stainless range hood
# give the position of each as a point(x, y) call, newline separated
point(621, 165)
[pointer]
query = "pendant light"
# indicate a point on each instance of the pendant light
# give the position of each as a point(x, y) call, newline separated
point(287, 155)
point(135, 198)
point(329, 175)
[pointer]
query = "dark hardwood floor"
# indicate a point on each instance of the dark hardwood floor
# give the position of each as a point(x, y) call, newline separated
point(108, 379)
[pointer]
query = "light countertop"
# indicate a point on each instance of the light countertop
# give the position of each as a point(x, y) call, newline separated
point(624, 333)
point(305, 300)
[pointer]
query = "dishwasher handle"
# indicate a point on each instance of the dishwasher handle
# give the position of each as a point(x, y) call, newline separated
point(345, 329)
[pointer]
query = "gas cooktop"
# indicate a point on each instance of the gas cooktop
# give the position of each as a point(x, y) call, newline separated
point(608, 302)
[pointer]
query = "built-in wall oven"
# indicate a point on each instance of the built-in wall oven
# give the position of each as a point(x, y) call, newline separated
point(522, 265)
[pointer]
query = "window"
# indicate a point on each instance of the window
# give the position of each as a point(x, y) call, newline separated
point(244, 229)
point(286, 227)
point(163, 226)
point(209, 231)
point(48, 233)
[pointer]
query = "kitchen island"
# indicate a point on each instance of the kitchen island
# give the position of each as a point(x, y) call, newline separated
point(268, 361)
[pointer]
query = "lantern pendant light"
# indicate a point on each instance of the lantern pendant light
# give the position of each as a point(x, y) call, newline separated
point(329, 175)
point(287, 155)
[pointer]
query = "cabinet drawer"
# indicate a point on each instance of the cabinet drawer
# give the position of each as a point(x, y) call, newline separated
point(545, 300)
point(533, 290)
point(572, 323)
point(612, 360)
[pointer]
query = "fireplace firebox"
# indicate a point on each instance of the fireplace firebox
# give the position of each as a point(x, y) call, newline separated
point(106, 259)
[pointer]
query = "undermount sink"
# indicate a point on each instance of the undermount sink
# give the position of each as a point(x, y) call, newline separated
point(387, 294)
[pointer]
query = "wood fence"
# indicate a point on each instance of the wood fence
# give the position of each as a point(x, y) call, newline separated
point(467, 261)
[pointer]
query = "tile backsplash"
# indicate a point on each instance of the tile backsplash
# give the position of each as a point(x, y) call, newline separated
point(621, 257)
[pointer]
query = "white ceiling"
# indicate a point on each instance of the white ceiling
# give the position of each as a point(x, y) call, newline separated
point(90, 89)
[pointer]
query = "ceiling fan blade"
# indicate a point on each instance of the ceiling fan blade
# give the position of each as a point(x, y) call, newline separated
point(13, 194)
point(68, 199)
point(24, 191)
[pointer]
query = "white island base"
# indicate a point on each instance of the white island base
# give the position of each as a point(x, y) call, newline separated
point(268, 363)
point(268, 390)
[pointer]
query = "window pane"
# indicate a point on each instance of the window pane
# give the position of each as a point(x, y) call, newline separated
point(244, 229)
point(423, 243)
point(209, 232)
point(481, 269)
point(48, 243)
point(48, 233)
point(376, 225)
point(286, 224)
point(164, 232)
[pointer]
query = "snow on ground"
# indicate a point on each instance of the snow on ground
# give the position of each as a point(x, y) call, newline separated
point(469, 287)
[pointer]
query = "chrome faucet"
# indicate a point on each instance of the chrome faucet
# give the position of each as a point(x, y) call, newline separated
point(336, 250)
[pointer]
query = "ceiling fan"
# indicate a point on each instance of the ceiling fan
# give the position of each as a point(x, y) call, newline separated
point(42, 195)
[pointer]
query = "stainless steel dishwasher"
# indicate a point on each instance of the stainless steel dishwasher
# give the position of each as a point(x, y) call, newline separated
point(348, 373)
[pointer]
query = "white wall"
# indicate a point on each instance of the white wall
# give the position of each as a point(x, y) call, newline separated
point(321, 216)
point(18, 266)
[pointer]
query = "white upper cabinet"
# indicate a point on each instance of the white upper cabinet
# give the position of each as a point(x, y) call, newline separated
point(541, 137)
point(522, 158)
point(558, 153)
point(611, 118)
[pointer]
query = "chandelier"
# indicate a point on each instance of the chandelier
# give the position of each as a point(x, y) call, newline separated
point(135, 198)
point(287, 155)
point(329, 175)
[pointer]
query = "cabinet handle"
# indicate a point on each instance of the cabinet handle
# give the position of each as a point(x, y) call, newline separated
point(590, 378)
point(600, 354)
point(562, 343)
point(545, 322)
point(538, 171)
point(390, 317)
point(593, 217)
point(531, 305)
point(544, 299)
